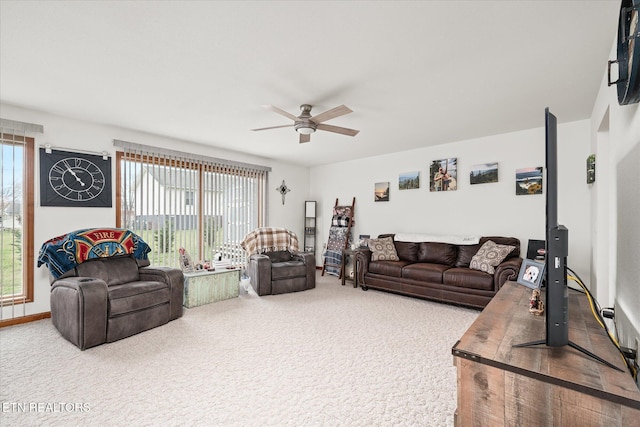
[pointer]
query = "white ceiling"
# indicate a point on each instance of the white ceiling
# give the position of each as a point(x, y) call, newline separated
point(414, 73)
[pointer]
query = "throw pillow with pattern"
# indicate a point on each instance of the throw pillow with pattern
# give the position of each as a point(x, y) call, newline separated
point(383, 249)
point(490, 255)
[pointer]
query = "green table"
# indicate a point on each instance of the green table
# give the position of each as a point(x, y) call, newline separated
point(210, 286)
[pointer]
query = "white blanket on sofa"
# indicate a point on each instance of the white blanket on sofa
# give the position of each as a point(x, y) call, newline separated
point(456, 240)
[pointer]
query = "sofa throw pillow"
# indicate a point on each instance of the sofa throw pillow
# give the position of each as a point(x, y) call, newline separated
point(383, 249)
point(490, 255)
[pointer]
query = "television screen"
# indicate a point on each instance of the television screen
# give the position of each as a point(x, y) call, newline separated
point(556, 252)
point(557, 245)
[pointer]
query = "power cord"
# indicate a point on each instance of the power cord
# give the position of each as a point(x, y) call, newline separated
point(596, 310)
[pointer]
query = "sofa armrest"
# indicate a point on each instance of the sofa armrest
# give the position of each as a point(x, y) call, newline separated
point(309, 260)
point(259, 270)
point(172, 277)
point(363, 257)
point(507, 270)
point(79, 310)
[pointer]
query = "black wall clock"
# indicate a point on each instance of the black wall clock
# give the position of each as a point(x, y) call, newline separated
point(74, 179)
point(628, 83)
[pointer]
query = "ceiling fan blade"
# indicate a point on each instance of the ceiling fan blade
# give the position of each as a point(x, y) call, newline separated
point(331, 114)
point(275, 127)
point(305, 138)
point(338, 129)
point(280, 111)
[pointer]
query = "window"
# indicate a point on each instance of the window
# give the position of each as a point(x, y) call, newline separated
point(16, 215)
point(174, 200)
point(189, 198)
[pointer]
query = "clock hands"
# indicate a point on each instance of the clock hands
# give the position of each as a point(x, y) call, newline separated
point(76, 176)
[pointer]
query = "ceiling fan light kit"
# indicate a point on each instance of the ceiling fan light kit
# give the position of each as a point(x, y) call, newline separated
point(306, 124)
point(305, 128)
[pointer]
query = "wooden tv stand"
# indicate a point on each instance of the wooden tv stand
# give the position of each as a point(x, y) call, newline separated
point(499, 385)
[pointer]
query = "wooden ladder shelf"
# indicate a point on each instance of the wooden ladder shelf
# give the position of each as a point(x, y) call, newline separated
point(339, 236)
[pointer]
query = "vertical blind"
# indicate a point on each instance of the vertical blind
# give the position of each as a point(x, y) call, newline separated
point(16, 216)
point(180, 200)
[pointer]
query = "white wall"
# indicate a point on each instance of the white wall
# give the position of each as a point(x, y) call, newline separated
point(74, 134)
point(615, 139)
point(481, 209)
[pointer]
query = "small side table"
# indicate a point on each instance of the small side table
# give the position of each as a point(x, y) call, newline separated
point(349, 253)
point(204, 287)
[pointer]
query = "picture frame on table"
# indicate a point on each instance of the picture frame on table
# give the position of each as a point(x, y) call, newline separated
point(363, 240)
point(531, 273)
point(186, 264)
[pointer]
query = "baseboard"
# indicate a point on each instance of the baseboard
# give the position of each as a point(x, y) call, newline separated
point(25, 319)
point(627, 332)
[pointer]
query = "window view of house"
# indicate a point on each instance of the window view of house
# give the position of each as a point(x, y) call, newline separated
point(201, 207)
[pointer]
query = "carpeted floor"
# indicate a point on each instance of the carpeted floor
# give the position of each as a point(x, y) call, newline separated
point(331, 356)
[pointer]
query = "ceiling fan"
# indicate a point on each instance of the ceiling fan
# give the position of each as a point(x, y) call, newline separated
point(306, 124)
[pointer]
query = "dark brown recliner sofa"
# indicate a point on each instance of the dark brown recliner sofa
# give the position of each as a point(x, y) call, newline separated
point(279, 272)
point(439, 271)
point(106, 299)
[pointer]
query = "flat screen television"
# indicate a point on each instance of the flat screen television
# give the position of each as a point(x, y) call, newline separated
point(557, 245)
point(556, 252)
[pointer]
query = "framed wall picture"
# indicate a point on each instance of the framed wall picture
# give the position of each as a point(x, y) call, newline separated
point(409, 180)
point(529, 181)
point(531, 273)
point(483, 173)
point(591, 169)
point(381, 193)
point(443, 175)
point(74, 179)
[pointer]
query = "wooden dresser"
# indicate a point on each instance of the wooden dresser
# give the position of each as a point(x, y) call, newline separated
point(499, 385)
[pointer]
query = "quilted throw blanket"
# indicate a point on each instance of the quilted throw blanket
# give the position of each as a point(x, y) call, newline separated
point(64, 253)
point(343, 211)
point(337, 238)
point(333, 260)
point(270, 239)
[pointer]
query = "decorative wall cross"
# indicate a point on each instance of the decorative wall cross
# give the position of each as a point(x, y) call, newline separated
point(283, 190)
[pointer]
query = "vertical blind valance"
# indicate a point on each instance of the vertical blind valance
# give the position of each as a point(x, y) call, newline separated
point(212, 161)
point(22, 127)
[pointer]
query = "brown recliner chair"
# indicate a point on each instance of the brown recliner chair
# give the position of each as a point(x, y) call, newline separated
point(275, 265)
point(106, 299)
point(280, 272)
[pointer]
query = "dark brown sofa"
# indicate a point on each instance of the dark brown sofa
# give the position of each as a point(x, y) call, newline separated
point(439, 271)
point(106, 299)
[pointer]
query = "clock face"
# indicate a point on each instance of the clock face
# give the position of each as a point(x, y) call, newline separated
point(74, 179)
point(633, 29)
point(628, 83)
